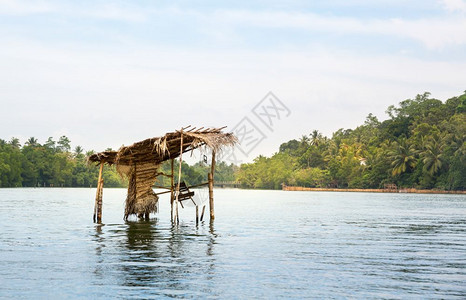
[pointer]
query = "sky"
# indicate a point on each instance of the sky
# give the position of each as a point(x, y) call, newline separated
point(110, 73)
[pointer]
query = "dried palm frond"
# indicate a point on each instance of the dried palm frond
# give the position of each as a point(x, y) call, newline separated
point(140, 162)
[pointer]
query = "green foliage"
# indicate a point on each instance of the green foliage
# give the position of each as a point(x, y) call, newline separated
point(421, 145)
point(311, 177)
point(461, 108)
point(197, 173)
point(267, 173)
point(402, 157)
point(49, 165)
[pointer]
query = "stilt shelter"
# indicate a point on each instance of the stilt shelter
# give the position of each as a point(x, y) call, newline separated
point(140, 164)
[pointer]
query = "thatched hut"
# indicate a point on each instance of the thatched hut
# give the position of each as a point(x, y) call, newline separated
point(140, 164)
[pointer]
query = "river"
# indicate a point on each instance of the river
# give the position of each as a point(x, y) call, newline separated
point(263, 244)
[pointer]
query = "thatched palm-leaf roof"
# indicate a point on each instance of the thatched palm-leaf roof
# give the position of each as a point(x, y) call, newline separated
point(140, 162)
point(159, 149)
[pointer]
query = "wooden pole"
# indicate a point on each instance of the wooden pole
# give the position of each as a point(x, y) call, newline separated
point(179, 178)
point(197, 214)
point(202, 214)
point(211, 186)
point(161, 193)
point(172, 188)
point(98, 195)
point(99, 204)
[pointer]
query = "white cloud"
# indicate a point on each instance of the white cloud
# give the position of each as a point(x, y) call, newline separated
point(107, 98)
point(105, 95)
point(106, 11)
point(434, 32)
point(112, 11)
point(454, 5)
point(12, 7)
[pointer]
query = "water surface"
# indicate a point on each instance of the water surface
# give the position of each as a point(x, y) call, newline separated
point(263, 244)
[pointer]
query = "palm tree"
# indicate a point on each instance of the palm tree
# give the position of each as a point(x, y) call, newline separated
point(64, 144)
point(402, 157)
point(432, 156)
point(50, 143)
point(316, 136)
point(15, 142)
point(304, 140)
point(331, 151)
point(458, 141)
point(89, 153)
point(32, 141)
point(78, 150)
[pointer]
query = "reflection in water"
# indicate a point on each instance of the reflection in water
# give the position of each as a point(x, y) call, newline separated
point(157, 259)
point(99, 240)
point(210, 252)
point(140, 253)
point(266, 245)
point(140, 235)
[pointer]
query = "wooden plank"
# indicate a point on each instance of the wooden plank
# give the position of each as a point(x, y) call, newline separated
point(198, 185)
point(211, 187)
point(161, 187)
point(163, 174)
point(166, 192)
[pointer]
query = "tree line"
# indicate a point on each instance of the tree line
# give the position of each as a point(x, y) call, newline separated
point(51, 164)
point(55, 164)
point(420, 145)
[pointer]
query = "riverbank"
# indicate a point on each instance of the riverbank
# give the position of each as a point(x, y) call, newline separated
point(414, 191)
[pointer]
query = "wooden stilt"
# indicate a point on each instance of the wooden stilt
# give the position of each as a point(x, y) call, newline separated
point(211, 226)
point(197, 214)
point(211, 195)
point(98, 197)
point(172, 188)
point(99, 204)
point(202, 214)
point(177, 219)
point(94, 217)
point(211, 187)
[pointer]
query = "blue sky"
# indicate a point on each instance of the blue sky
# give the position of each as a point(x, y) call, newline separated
point(108, 73)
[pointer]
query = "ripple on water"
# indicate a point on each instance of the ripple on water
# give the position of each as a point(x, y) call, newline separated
point(264, 244)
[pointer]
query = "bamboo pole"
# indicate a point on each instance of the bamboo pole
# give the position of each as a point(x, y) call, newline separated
point(94, 217)
point(161, 193)
point(98, 194)
point(198, 185)
point(202, 214)
point(193, 186)
point(99, 212)
point(211, 186)
point(172, 188)
point(179, 178)
point(211, 195)
point(161, 187)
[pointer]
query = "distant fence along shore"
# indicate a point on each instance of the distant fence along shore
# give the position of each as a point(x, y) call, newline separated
point(401, 190)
